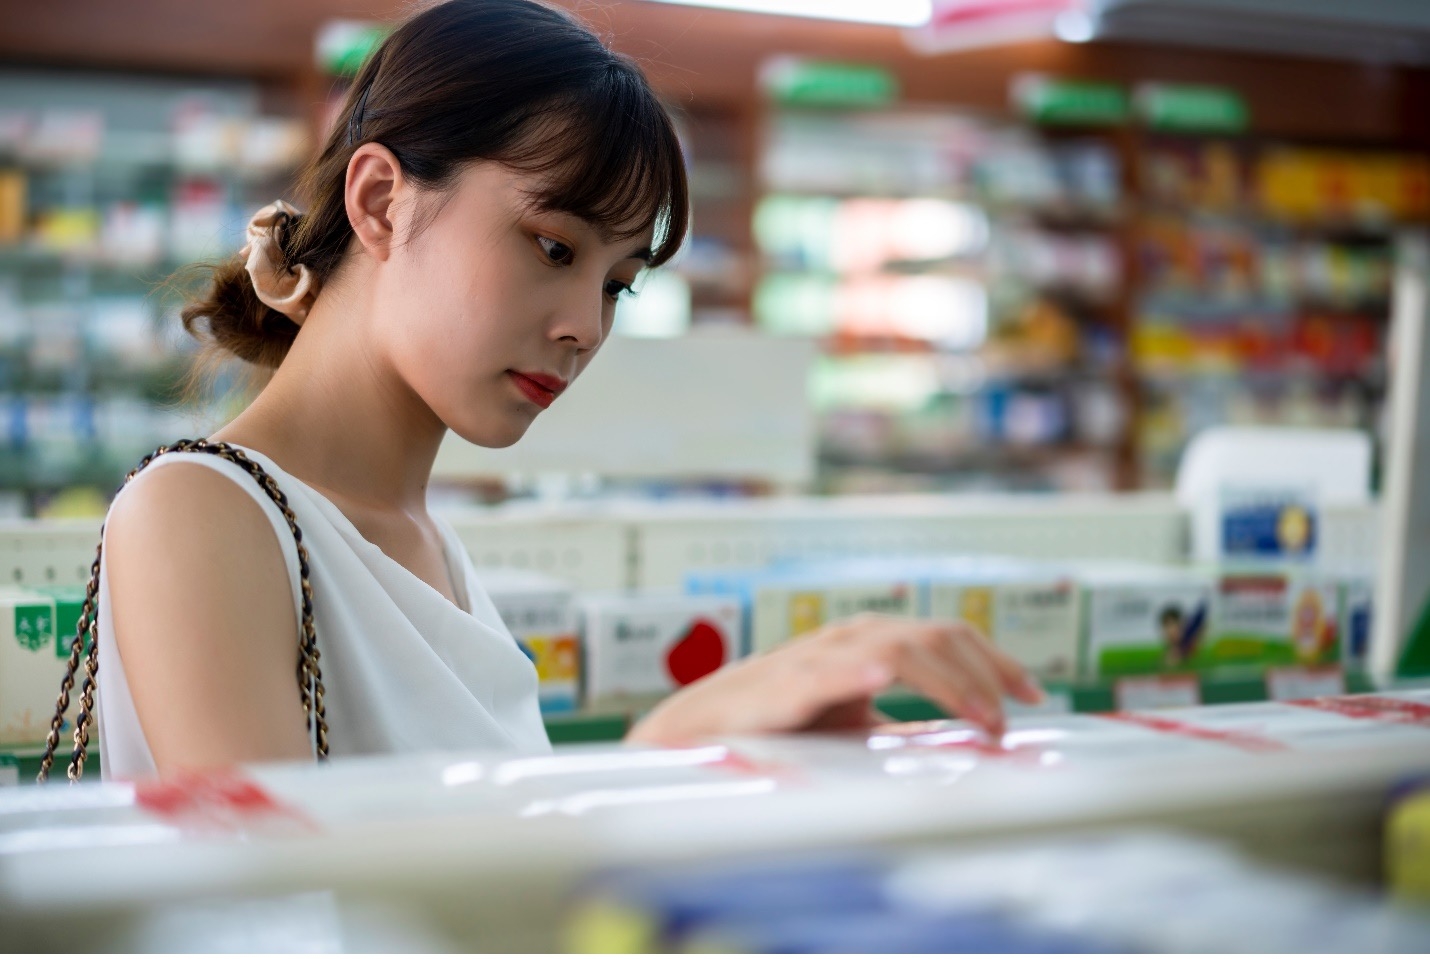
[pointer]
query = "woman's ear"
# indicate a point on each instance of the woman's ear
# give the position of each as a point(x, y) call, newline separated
point(374, 182)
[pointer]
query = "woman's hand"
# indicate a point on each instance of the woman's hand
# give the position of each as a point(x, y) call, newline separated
point(827, 680)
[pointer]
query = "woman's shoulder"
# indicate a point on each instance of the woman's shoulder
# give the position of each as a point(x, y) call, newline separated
point(201, 610)
point(192, 523)
point(186, 490)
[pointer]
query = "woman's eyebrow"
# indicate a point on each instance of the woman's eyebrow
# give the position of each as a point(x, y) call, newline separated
point(606, 235)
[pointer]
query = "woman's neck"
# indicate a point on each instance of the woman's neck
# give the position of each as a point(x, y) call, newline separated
point(340, 420)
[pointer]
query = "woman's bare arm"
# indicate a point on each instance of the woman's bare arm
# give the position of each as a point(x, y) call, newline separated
point(204, 621)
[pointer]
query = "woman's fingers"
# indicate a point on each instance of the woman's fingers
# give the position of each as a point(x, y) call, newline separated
point(828, 680)
point(792, 688)
point(855, 714)
point(938, 663)
point(1017, 682)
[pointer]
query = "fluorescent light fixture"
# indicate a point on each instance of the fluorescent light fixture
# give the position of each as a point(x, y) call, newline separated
point(893, 13)
point(1074, 26)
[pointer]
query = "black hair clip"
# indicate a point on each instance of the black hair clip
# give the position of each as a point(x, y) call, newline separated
point(355, 121)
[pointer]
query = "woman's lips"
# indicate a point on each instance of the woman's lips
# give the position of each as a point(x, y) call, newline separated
point(539, 393)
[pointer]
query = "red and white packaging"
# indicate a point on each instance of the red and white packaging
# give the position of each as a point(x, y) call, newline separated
point(642, 647)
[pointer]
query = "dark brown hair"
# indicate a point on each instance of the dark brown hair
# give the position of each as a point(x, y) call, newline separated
point(510, 81)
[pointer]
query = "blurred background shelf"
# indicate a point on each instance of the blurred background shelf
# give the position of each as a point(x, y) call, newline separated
point(1097, 247)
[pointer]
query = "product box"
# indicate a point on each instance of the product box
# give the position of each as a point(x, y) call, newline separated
point(1030, 610)
point(781, 604)
point(1034, 618)
point(1256, 525)
point(1267, 524)
point(1273, 617)
point(1357, 609)
point(30, 668)
point(1143, 619)
point(540, 611)
point(783, 611)
point(640, 648)
point(69, 604)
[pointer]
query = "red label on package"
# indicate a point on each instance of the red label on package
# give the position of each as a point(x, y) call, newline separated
point(1248, 742)
point(1293, 683)
point(1380, 709)
point(218, 802)
point(1157, 692)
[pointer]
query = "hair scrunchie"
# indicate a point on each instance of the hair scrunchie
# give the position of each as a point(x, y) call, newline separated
point(290, 291)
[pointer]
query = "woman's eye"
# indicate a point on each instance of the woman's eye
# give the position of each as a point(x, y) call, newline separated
point(555, 250)
point(615, 288)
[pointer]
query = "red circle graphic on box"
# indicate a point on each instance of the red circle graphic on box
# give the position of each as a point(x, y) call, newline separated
point(699, 653)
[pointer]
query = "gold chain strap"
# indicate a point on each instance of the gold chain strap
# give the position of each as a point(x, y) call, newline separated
point(310, 677)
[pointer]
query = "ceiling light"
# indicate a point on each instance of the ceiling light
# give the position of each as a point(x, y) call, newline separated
point(1074, 26)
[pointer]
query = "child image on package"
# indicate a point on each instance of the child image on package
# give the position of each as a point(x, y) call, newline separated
point(1180, 641)
point(1148, 627)
point(1314, 628)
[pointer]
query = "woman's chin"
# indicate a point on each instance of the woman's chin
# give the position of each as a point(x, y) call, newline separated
point(494, 436)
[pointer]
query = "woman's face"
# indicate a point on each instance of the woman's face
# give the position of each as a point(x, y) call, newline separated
point(502, 305)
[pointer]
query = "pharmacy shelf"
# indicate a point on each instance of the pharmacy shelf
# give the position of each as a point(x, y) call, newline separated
point(565, 730)
point(1091, 696)
point(1085, 696)
point(1100, 696)
point(416, 834)
point(598, 547)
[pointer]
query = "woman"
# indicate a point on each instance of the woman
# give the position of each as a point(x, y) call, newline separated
point(496, 180)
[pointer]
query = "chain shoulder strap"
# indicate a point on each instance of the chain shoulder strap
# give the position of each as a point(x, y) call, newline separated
point(85, 644)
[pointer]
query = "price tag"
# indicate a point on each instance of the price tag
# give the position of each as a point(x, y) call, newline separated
point(1137, 693)
point(1298, 682)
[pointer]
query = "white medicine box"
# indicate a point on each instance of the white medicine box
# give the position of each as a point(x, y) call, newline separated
point(540, 612)
point(642, 647)
point(31, 664)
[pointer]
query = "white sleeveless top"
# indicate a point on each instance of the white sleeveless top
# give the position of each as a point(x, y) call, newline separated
point(403, 668)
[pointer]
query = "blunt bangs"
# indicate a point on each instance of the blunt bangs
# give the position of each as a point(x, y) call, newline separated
point(609, 155)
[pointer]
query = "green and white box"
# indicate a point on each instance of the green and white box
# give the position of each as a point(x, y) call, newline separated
point(1141, 620)
point(640, 648)
point(1033, 618)
point(1273, 617)
point(30, 668)
point(69, 603)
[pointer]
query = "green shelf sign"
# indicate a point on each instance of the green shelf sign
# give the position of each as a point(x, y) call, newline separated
point(815, 83)
point(1052, 102)
point(345, 45)
point(1192, 109)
